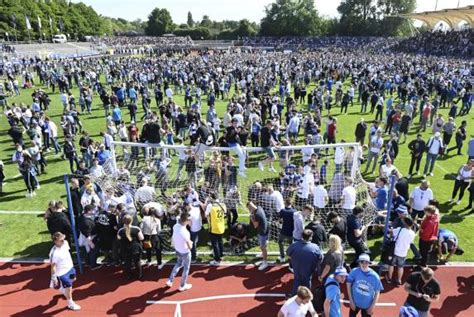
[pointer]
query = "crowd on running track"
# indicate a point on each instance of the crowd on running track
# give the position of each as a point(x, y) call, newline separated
point(269, 104)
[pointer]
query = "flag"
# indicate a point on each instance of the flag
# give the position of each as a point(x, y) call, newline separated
point(28, 25)
point(14, 20)
point(50, 22)
point(39, 22)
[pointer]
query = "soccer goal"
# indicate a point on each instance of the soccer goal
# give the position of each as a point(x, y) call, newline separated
point(312, 175)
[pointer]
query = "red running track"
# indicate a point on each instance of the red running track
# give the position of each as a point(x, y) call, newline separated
point(24, 292)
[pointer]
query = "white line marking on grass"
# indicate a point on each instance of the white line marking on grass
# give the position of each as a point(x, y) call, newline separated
point(21, 212)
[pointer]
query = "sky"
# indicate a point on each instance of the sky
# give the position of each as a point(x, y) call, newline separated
point(252, 10)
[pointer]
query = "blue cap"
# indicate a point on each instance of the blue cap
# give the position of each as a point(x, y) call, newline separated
point(402, 209)
point(340, 270)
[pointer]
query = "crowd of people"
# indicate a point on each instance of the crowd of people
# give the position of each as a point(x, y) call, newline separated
point(273, 100)
point(442, 43)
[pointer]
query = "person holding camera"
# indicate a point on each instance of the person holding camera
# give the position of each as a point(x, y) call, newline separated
point(423, 289)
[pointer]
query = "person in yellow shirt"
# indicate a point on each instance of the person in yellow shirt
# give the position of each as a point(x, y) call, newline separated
point(216, 213)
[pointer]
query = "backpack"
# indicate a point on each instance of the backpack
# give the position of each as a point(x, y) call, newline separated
point(319, 296)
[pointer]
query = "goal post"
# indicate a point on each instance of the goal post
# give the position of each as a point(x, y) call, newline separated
point(299, 169)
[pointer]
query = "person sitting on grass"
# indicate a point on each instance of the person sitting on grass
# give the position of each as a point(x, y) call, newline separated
point(238, 237)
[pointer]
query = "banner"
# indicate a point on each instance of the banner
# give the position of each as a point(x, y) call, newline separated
point(28, 25)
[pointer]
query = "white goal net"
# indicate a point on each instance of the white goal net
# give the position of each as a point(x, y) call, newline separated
point(313, 175)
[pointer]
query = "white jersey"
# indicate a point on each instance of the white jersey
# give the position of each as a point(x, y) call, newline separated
point(61, 258)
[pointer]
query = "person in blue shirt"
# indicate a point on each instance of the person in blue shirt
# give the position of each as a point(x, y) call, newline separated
point(363, 288)
point(332, 304)
point(447, 244)
point(117, 115)
point(380, 194)
point(305, 258)
point(286, 232)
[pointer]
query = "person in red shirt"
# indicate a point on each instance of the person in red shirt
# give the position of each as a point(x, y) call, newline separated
point(332, 130)
point(425, 116)
point(428, 232)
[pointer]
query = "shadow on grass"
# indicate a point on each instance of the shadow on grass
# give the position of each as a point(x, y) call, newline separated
point(37, 250)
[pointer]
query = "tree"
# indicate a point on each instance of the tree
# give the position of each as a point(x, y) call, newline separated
point(291, 17)
point(245, 28)
point(190, 21)
point(206, 22)
point(159, 22)
point(374, 17)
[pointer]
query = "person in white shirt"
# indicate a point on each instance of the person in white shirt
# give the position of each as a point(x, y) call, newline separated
point(62, 269)
point(298, 305)
point(320, 196)
point(339, 155)
point(349, 195)
point(419, 199)
point(145, 193)
point(96, 170)
point(376, 143)
point(434, 147)
point(195, 227)
point(182, 244)
point(403, 237)
point(277, 197)
point(387, 169)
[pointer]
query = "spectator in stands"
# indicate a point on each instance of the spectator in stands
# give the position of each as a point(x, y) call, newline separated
point(298, 305)
point(423, 289)
point(403, 237)
point(428, 233)
point(363, 288)
point(305, 258)
point(182, 244)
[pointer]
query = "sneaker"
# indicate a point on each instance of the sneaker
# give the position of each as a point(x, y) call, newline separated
point(214, 263)
point(160, 266)
point(424, 175)
point(451, 200)
point(185, 287)
point(281, 260)
point(431, 174)
point(408, 176)
point(263, 266)
point(259, 255)
point(388, 280)
point(73, 306)
point(242, 174)
point(28, 195)
point(169, 283)
point(148, 263)
point(260, 166)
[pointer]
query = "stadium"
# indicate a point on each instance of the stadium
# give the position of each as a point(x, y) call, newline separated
point(291, 165)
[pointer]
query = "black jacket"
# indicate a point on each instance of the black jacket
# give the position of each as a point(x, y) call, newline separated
point(59, 222)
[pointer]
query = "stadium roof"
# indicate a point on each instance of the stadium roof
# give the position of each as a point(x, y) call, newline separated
point(452, 17)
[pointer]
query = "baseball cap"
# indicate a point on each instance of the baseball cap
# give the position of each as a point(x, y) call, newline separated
point(402, 209)
point(340, 270)
point(408, 311)
point(364, 258)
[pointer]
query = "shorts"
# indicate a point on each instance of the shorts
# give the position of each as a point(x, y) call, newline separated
point(398, 261)
point(293, 134)
point(419, 213)
point(67, 279)
point(262, 240)
point(269, 151)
